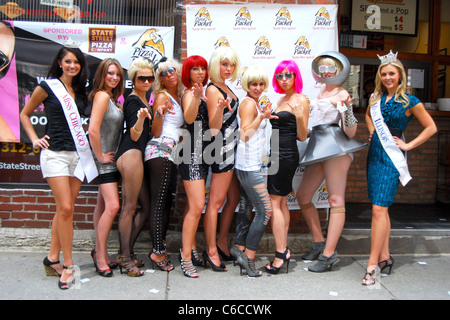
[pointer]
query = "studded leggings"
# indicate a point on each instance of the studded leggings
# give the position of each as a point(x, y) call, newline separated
point(253, 192)
point(162, 174)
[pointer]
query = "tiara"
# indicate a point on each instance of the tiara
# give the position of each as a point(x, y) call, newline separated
point(70, 43)
point(389, 58)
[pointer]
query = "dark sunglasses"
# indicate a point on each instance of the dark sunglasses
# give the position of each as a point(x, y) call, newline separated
point(146, 78)
point(4, 60)
point(170, 70)
point(280, 76)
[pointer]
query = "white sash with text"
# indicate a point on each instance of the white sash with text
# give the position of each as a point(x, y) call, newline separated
point(86, 165)
point(389, 145)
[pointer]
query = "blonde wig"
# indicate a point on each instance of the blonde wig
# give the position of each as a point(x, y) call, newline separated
point(219, 55)
point(254, 74)
point(165, 64)
point(139, 64)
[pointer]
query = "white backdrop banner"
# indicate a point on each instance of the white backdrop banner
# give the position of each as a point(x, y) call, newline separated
point(263, 35)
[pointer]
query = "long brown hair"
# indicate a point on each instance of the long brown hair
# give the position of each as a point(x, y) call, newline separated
point(99, 79)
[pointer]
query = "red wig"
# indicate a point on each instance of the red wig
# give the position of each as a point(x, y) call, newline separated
point(188, 64)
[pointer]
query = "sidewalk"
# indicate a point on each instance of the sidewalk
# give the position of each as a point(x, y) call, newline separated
point(414, 277)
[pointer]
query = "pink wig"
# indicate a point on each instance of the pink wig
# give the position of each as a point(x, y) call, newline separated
point(293, 68)
point(188, 64)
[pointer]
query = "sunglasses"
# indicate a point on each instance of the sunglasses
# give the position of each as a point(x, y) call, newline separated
point(4, 60)
point(280, 76)
point(146, 78)
point(325, 68)
point(170, 70)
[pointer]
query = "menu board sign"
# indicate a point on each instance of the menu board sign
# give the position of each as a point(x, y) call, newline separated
point(385, 16)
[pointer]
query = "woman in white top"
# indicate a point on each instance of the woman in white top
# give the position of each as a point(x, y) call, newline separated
point(249, 155)
point(161, 171)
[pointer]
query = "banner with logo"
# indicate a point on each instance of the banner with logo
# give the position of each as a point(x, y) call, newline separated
point(263, 35)
point(34, 49)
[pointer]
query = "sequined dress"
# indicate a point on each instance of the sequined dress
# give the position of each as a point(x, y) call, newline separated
point(382, 176)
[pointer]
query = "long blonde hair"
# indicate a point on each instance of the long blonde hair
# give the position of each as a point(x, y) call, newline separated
point(380, 89)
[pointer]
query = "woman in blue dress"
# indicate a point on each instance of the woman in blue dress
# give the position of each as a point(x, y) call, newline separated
point(390, 103)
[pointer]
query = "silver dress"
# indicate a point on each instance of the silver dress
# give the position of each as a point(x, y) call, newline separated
point(111, 134)
point(327, 139)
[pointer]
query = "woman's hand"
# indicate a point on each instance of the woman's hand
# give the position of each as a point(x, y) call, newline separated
point(108, 157)
point(166, 107)
point(225, 103)
point(143, 113)
point(297, 108)
point(401, 144)
point(198, 92)
point(41, 143)
point(267, 112)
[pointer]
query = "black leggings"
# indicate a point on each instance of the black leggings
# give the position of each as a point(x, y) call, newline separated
point(162, 182)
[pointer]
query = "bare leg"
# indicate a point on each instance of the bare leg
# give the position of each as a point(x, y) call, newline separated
point(220, 183)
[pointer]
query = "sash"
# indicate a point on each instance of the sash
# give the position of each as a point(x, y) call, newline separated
point(86, 165)
point(389, 145)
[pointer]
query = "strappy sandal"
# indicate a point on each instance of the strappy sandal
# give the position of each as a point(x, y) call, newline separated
point(187, 267)
point(370, 281)
point(131, 269)
point(163, 265)
point(386, 264)
point(270, 268)
point(197, 259)
point(68, 284)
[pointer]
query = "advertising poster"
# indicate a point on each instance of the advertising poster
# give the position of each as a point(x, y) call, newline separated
point(263, 35)
point(35, 46)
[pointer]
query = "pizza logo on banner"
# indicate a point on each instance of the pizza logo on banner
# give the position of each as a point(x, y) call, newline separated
point(302, 47)
point(322, 18)
point(12, 10)
point(203, 18)
point(222, 41)
point(150, 45)
point(241, 75)
point(283, 18)
point(243, 18)
point(102, 40)
point(262, 47)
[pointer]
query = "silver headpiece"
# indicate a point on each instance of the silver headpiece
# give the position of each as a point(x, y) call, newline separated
point(388, 58)
point(342, 60)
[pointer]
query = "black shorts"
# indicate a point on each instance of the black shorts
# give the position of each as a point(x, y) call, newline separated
point(108, 177)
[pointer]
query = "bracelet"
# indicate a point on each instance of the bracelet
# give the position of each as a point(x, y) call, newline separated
point(159, 115)
point(35, 142)
point(138, 132)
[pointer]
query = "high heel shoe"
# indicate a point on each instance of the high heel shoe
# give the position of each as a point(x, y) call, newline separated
point(187, 267)
point(235, 253)
point(68, 284)
point(131, 269)
point(111, 265)
point(370, 281)
point(249, 265)
point(207, 259)
point(386, 264)
point(316, 250)
point(224, 255)
point(324, 263)
point(270, 268)
point(163, 265)
point(49, 270)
